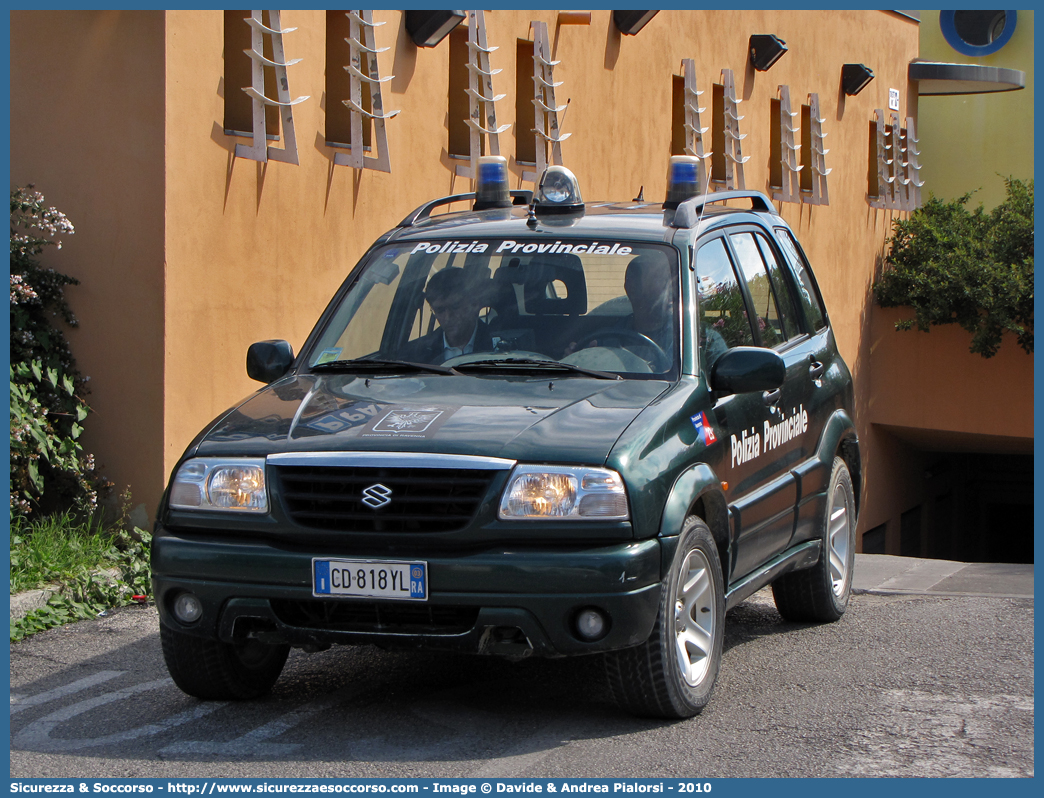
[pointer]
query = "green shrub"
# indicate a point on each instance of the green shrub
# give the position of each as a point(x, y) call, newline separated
point(971, 268)
point(49, 469)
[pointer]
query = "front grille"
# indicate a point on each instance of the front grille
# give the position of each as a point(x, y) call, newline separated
point(353, 616)
point(419, 499)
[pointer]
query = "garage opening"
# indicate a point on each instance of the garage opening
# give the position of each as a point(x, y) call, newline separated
point(977, 508)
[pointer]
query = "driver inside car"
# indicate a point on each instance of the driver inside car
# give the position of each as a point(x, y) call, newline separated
point(456, 306)
point(647, 283)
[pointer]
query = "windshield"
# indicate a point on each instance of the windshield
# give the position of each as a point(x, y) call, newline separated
point(496, 303)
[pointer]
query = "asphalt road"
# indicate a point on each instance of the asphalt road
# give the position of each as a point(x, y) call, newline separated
point(903, 685)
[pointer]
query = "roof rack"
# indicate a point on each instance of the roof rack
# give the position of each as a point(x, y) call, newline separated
point(518, 197)
point(688, 212)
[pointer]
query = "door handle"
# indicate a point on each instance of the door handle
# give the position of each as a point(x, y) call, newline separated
point(816, 369)
point(771, 397)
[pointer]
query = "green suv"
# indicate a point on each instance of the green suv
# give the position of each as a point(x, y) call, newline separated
point(535, 427)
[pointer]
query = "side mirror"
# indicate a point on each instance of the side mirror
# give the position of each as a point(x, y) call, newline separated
point(267, 361)
point(744, 369)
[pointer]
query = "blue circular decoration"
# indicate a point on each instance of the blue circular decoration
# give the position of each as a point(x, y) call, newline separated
point(949, 31)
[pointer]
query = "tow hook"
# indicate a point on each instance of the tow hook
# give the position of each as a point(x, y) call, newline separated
point(505, 641)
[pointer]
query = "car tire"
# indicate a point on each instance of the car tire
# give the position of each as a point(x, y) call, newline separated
point(672, 674)
point(217, 671)
point(821, 593)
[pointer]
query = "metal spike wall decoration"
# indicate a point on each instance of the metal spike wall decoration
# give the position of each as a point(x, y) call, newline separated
point(913, 166)
point(545, 110)
point(885, 179)
point(820, 195)
point(481, 100)
point(788, 150)
point(899, 180)
point(693, 131)
point(898, 168)
point(259, 149)
point(734, 159)
point(364, 68)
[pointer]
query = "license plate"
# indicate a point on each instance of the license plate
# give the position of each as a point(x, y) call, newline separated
point(385, 579)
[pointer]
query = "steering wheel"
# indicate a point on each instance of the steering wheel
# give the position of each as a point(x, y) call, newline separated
point(659, 360)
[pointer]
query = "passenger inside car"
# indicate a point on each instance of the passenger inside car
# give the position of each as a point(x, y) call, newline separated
point(649, 329)
point(647, 284)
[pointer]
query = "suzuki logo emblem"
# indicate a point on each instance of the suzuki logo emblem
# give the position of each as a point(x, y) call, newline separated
point(376, 496)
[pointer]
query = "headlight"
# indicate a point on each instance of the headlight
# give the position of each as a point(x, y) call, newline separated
point(564, 492)
point(209, 483)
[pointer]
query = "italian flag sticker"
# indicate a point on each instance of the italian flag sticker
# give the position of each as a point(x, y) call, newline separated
point(703, 429)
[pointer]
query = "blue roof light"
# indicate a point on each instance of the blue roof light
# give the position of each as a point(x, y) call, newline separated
point(683, 180)
point(491, 185)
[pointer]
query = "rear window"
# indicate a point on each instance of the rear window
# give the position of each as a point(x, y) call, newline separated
point(807, 290)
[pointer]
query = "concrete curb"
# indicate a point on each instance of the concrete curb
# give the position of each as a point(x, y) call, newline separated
point(939, 593)
point(24, 603)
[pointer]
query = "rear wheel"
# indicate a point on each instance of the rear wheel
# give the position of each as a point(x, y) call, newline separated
point(672, 674)
point(821, 593)
point(217, 671)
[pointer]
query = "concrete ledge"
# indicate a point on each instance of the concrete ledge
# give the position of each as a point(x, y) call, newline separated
point(24, 603)
point(883, 573)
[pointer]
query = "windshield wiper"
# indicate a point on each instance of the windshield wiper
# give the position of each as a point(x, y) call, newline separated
point(366, 364)
point(532, 363)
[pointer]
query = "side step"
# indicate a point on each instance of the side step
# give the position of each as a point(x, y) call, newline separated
point(802, 556)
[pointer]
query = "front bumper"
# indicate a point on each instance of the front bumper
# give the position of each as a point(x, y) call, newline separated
point(513, 600)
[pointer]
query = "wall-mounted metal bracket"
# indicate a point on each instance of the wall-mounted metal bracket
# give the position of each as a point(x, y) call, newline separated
point(259, 149)
point(482, 102)
point(913, 165)
point(694, 130)
point(819, 171)
point(788, 150)
point(546, 109)
point(363, 68)
point(734, 159)
point(898, 166)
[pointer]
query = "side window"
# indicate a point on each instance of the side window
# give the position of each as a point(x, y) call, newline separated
point(722, 310)
point(809, 296)
point(766, 311)
point(784, 297)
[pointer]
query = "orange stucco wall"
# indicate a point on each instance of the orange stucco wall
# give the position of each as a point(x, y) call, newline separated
point(923, 381)
point(244, 251)
point(87, 129)
point(929, 394)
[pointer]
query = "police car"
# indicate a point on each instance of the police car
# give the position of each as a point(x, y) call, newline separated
point(537, 427)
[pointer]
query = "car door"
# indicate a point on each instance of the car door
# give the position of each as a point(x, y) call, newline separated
point(818, 392)
point(737, 307)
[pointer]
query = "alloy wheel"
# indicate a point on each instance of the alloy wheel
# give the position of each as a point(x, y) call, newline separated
point(694, 618)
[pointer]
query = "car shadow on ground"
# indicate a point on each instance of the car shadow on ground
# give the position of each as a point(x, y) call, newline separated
point(364, 704)
point(361, 703)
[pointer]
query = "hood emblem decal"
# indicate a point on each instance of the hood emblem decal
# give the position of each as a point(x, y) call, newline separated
point(376, 496)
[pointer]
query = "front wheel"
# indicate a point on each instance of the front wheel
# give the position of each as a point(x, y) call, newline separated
point(672, 674)
point(217, 671)
point(821, 593)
